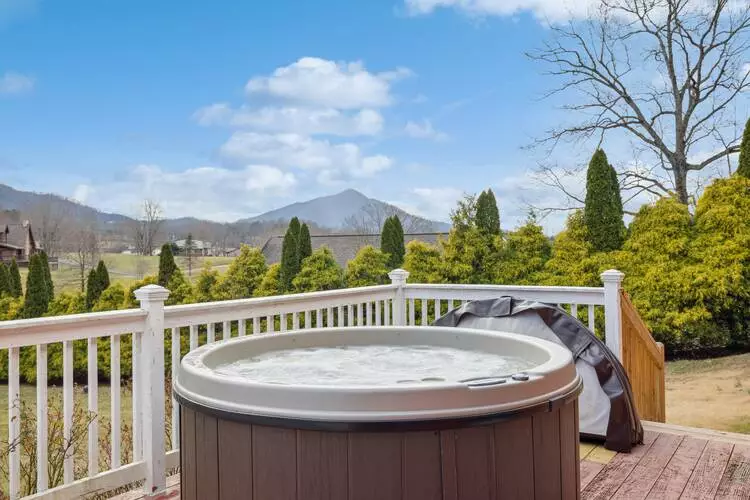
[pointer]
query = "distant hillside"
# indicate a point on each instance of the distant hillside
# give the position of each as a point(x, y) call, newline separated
point(28, 202)
point(349, 210)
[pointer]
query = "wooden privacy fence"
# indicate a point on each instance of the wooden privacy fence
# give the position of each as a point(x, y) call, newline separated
point(643, 359)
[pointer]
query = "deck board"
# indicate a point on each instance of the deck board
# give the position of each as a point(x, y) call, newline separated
point(670, 465)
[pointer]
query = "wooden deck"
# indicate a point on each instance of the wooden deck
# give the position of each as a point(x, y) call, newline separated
point(673, 463)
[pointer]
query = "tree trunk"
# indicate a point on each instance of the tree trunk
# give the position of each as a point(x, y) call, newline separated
point(679, 173)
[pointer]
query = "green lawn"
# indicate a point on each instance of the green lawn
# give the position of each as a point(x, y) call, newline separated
point(125, 269)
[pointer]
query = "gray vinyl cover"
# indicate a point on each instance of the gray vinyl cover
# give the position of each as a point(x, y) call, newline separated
point(606, 408)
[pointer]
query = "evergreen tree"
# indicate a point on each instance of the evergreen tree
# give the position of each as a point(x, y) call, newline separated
point(93, 291)
point(392, 241)
point(244, 274)
point(14, 274)
point(368, 267)
point(4, 280)
point(290, 263)
point(47, 275)
point(36, 301)
point(487, 215)
point(167, 265)
point(305, 244)
point(603, 209)
point(101, 271)
point(743, 168)
point(320, 271)
point(270, 284)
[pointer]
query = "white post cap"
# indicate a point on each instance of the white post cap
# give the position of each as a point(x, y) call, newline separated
point(398, 276)
point(151, 293)
point(612, 276)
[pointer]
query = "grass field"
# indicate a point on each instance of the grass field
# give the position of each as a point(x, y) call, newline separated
point(125, 269)
point(710, 393)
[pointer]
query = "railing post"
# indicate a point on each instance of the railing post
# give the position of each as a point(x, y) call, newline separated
point(612, 280)
point(398, 278)
point(152, 299)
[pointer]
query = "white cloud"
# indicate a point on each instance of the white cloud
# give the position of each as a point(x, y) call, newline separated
point(81, 193)
point(297, 120)
point(433, 203)
point(333, 162)
point(320, 82)
point(15, 83)
point(554, 10)
point(205, 192)
point(424, 130)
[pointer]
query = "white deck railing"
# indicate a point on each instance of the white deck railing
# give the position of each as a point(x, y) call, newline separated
point(395, 304)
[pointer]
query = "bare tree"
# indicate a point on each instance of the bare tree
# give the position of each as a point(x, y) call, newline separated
point(82, 246)
point(48, 218)
point(146, 227)
point(684, 117)
point(370, 219)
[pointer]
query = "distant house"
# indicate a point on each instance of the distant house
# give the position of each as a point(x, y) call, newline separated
point(343, 246)
point(17, 242)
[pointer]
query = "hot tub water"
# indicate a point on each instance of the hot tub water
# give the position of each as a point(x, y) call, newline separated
point(372, 365)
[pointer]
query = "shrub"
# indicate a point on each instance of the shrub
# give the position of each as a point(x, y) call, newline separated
point(368, 267)
point(167, 265)
point(36, 300)
point(319, 272)
point(244, 274)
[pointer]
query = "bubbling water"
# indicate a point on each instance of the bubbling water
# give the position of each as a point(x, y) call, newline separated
point(372, 365)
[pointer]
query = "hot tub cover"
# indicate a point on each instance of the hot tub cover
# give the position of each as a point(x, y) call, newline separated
point(606, 407)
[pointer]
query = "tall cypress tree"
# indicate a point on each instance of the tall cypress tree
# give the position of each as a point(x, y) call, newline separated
point(290, 263)
point(47, 275)
point(603, 210)
point(392, 241)
point(16, 290)
point(488, 215)
point(36, 301)
point(167, 266)
point(103, 274)
point(743, 168)
point(93, 290)
point(4, 280)
point(305, 243)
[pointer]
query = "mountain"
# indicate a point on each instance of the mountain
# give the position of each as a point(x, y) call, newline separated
point(29, 203)
point(347, 211)
point(350, 210)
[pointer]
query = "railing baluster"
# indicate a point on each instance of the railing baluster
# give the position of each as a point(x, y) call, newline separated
point(226, 330)
point(175, 406)
point(378, 321)
point(282, 321)
point(329, 317)
point(67, 409)
point(93, 393)
point(256, 325)
point(308, 321)
point(350, 315)
point(339, 316)
point(295, 321)
point(193, 336)
point(41, 417)
point(360, 315)
point(114, 398)
point(425, 319)
point(437, 309)
point(14, 423)
point(242, 327)
point(136, 397)
point(592, 319)
point(387, 312)
point(270, 323)
point(319, 318)
point(368, 313)
point(574, 310)
point(211, 333)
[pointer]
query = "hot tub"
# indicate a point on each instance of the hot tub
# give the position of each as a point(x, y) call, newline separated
point(507, 430)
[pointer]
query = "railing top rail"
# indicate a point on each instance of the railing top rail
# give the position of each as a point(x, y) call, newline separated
point(552, 294)
point(187, 314)
point(25, 332)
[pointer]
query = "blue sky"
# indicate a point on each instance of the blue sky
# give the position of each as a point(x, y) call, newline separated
point(226, 109)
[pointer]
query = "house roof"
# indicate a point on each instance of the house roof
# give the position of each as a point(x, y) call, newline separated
point(343, 246)
point(16, 236)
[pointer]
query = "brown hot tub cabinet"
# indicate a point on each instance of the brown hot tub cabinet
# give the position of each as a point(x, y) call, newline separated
point(515, 438)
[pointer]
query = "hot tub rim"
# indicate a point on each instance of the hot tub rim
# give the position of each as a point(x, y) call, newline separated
point(428, 424)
